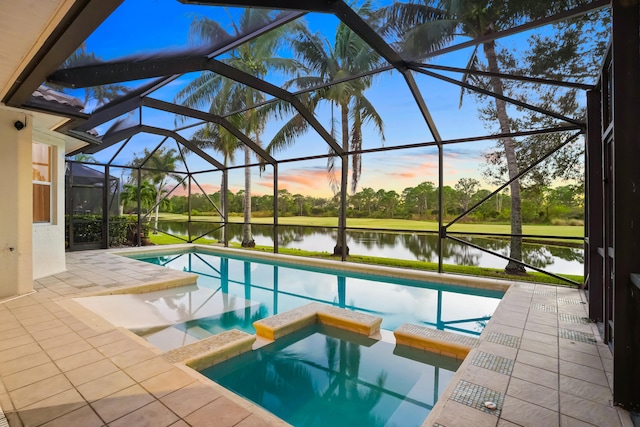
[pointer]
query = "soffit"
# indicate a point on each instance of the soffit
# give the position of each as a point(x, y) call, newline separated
point(24, 27)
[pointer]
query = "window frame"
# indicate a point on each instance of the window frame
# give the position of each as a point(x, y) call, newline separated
point(49, 184)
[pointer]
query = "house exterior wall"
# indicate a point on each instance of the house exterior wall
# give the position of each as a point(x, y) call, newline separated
point(48, 239)
point(16, 230)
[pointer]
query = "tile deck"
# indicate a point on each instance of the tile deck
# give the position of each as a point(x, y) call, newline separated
point(540, 361)
point(62, 365)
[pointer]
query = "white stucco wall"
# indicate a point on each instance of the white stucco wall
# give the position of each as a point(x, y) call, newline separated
point(16, 271)
point(48, 239)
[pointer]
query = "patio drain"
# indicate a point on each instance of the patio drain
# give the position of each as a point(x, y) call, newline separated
point(572, 335)
point(475, 396)
point(543, 307)
point(526, 286)
point(492, 362)
point(504, 339)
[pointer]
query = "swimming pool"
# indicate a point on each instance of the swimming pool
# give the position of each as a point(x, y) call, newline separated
point(234, 291)
point(323, 376)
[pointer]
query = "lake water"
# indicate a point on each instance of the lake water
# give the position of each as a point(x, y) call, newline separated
point(406, 246)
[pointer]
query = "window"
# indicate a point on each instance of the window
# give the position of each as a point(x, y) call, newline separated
point(41, 163)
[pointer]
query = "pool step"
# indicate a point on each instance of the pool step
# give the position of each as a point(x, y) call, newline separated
point(214, 349)
point(279, 325)
point(170, 338)
point(436, 341)
point(198, 332)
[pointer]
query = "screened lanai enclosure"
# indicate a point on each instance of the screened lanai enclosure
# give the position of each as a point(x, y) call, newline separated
point(91, 197)
point(445, 132)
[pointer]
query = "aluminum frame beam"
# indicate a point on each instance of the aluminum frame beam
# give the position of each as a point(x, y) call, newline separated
point(82, 19)
point(117, 72)
point(309, 5)
point(208, 117)
point(134, 130)
point(498, 96)
point(571, 13)
point(540, 80)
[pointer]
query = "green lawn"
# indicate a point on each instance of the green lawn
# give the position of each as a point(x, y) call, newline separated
point(398, 224)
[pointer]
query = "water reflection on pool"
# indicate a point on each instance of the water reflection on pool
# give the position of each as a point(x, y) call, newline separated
point(235, 292)
point(323, 376)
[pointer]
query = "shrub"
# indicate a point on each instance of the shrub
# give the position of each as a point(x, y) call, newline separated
point(88, 228)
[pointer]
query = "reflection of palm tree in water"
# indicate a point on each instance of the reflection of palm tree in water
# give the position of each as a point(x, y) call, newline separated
point(465, 255)
point(233, 318)
point(176, 303)
point(297, 382)
point(423, 247)
point(344, 369)
point(533, 254)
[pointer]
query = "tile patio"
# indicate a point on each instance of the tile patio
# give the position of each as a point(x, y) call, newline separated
point(61, 365)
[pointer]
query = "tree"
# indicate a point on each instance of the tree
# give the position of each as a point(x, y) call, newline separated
point(129, 195)
point(300, 203)
point(221, 95)
point(423, 25)
point(368, 196)
point(573, 50)
point(389, 202)
point(210, 136)
point(449, 200)
point(467, 187)
point(161, 163)
point(326, 62)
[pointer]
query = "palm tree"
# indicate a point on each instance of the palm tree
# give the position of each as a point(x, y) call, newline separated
point(221, 141)
point(425, 25)
point(161, 164)
point(221, 95)
point(326, 62)
point(129, 195)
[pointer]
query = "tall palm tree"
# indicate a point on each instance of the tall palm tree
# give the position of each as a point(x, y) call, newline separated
point(325, 62)
point(221, 95)
point(423, 25)
point(221, 141)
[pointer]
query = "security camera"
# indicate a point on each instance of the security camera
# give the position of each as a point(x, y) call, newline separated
point(18, 125)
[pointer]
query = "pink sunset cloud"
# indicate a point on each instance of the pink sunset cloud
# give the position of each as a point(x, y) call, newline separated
point(208, 188)
point(302, 181)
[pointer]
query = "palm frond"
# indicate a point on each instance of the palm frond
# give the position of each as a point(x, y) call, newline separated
point(356, 145)
point(368, 114)
point(472, 65)
point(288, 133)
point(206, 31)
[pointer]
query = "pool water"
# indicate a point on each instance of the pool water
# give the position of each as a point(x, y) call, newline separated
point(234, 292)
point(323, 376)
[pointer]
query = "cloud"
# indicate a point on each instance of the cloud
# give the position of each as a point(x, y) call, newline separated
point(406, 175)
point(208, 188)
point(304, 181)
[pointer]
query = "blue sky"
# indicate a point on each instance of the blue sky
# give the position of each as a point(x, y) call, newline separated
point(141, 26)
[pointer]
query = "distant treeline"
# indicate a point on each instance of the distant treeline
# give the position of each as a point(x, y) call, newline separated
point(558, 205)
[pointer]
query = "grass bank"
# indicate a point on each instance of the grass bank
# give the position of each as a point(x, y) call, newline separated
point(398, 224)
